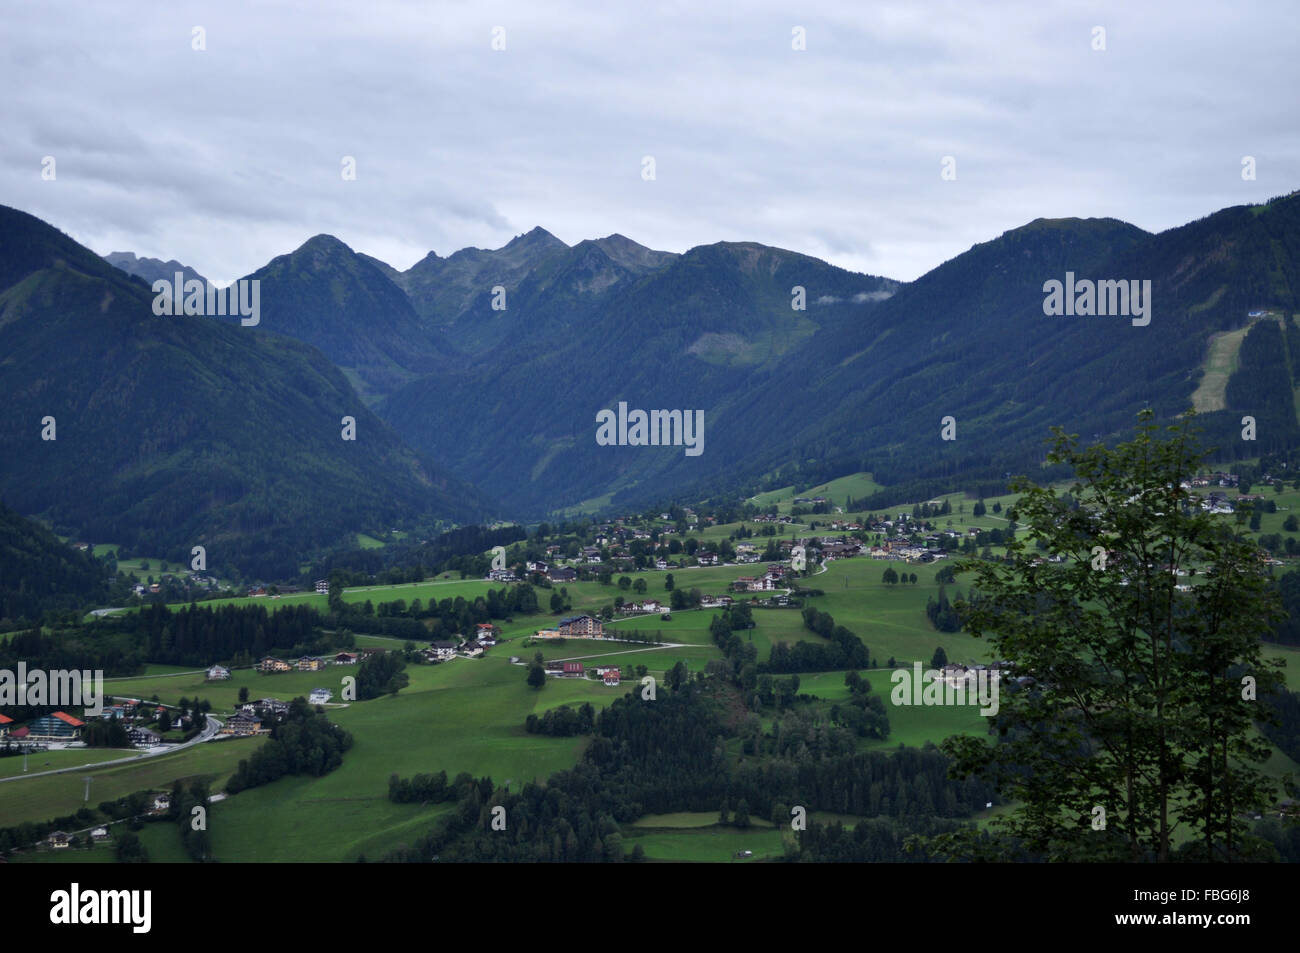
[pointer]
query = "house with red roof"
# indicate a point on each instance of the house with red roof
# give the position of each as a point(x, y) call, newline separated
point(59, 726)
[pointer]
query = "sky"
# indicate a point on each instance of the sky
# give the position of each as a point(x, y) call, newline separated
point(227, 155)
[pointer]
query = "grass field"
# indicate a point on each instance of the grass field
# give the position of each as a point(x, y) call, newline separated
point(468, 715)
point(67, 758)
point(705, 844)
point(224, 695)
point(37, 799)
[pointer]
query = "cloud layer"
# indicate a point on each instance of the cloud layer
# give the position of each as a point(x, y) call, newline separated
point(227, 156)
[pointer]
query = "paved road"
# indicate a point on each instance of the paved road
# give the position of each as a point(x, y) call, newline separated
point(207, 734)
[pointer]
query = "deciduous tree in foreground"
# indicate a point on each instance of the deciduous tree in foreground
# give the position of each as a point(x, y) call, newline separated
point(1126, 723)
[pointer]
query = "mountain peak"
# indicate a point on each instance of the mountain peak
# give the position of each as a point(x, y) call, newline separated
point(323, 243)
point(537, 236)
point(151, 269)
point(632, 255)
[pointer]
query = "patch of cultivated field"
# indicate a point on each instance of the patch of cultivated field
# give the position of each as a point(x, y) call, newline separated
point(856, 485)
point(465, 715)
point(67, 758)
point(891, 620)
point(911, 725)
point(224, 695)
point(706, 844)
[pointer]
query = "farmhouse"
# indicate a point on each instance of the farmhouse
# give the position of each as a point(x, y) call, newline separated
point(217, 673)
point(562, 574)
point(345, 658)
point(320, 696)
point(611, 676)
point(573, 669)
point(142, 736)
point(444, 650)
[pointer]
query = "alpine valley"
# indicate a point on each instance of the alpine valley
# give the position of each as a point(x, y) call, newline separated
point(475, 381)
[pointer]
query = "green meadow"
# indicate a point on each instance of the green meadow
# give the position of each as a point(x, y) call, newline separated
point(468, 714)
point(42, 798)
point(714, 844)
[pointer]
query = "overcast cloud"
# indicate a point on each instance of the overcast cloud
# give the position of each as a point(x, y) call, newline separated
point(226, 157)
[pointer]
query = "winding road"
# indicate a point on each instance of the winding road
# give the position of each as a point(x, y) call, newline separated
point(207, 734)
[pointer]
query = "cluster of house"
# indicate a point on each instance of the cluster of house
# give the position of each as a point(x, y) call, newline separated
point(61, 840)
point(60, 728)
point(247, 720)
point(646, 606)
point(774, 578)
point(192, 579)
point(308, 663)
point(485, 636)
point(957, 675)
point(160, 803)
point(609, 674)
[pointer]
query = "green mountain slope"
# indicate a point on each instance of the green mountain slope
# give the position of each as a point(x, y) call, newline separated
point(863, 379)
point(591, 329)
point(39, 572)
point(328, 296)
point(970, 340)
point(180, 431)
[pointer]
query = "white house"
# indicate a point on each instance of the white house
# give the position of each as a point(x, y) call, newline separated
point(217, 673)
point(320, 696)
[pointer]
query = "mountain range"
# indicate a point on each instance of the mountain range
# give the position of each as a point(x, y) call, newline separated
point(476, 379)
point(174, 432)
